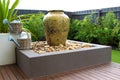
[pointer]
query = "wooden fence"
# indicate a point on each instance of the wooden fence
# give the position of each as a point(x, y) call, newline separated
point(80, 14)
point(21, 11)
point(97, 13)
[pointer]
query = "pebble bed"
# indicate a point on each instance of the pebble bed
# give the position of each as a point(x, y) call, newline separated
point(43, 47)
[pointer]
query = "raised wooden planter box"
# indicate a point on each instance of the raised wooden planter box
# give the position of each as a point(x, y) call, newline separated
point(35, 65)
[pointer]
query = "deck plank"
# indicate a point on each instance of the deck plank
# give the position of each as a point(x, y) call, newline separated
point(109, 71)
point(4, 74)
point(20, 72)
point(1, 77)
point(14, 71)
point(10, 74)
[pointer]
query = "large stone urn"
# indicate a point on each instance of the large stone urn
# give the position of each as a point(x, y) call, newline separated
point(56, 25)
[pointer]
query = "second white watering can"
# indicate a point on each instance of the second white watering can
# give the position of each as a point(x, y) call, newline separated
point(23, 42)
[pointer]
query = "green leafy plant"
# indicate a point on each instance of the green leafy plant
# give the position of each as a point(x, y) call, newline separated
point(108, 20)
point(86, 30)
point(5, 12)
point(106, 33)
point(74, 28)
point(34, 24)
point(116, 34)
point(109, 30)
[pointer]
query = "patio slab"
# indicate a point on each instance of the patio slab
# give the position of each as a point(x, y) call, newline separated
point(34, 64)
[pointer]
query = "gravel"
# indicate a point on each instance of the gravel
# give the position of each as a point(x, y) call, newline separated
point(43, 47)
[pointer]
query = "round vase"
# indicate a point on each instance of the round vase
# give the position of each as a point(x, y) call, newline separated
point(56, 24)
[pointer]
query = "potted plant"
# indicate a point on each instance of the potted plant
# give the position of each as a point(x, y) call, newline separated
point(7, 52)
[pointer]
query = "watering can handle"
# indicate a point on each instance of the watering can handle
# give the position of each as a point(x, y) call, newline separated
point(5, 21)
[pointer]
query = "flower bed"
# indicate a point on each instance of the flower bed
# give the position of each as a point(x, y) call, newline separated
point(34, 64)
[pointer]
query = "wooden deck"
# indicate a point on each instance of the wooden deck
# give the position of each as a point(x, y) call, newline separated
point(109, 71)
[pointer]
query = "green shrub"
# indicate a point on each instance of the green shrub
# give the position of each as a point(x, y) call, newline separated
point(109, 30)
point(34, 23)
point(86, 29)
point(7, 12)
point(108, 20)
point(74, 28)
point(106, 33)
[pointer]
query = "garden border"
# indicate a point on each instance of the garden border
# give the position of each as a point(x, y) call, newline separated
point(34, 65)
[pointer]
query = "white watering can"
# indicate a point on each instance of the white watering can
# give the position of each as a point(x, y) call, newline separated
point(23, 42)
point(15, 26)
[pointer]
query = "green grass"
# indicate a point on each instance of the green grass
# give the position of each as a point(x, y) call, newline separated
point(116, 56)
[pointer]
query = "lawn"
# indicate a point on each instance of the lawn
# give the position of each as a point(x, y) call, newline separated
point(116, 56)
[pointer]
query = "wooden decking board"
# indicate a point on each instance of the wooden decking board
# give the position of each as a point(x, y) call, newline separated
point(17, 74)
point(107, 74)
point(109, 71)
point(87, 76)
point(1, 77)
point(112, 70)
point(93, 76)
point(4, 74)
point(102, 74)
point(68, 77)
point(96, 75)
point(10, 74)
point(74, 77)
point(99, 73)
point(80, 76)
point(99, 77)
point(21, 72)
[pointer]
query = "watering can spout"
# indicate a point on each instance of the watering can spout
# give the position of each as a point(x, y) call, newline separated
point(10, 38)
point(5, 21)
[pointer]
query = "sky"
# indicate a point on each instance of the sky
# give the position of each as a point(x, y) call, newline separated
point(67, 5)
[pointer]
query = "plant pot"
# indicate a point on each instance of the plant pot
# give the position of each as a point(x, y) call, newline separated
point(7, 49)
point(56, 25)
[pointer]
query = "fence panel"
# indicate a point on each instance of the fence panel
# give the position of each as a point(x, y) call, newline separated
point(79, 14)
point(97, 13)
